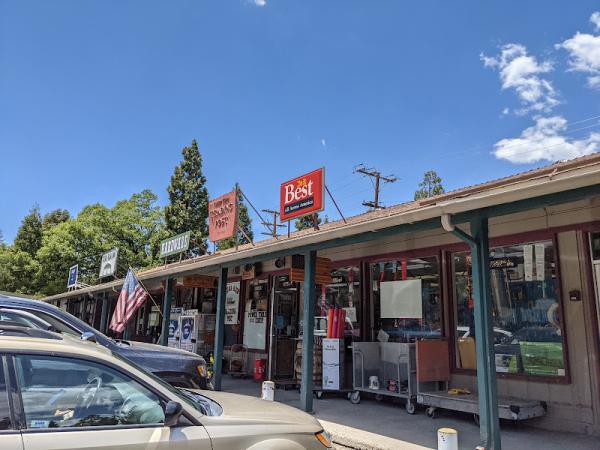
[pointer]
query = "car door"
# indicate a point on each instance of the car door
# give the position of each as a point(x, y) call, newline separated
point(70, 403)
point(10, 437)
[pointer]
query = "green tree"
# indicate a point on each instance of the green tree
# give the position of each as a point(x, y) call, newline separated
point(188, 200)
point(245, 223)
point(17, 271)
point(430, 186)
point(305, 222)
point(29, 235)
point(54, 218)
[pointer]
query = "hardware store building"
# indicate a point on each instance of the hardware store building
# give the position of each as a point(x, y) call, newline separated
point(516, 259)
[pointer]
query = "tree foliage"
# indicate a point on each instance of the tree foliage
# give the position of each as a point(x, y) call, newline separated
point(29, 235)
point(188, 200)
point(54, 218)
point(305, 222)
point(430, 186)
point(245, 223)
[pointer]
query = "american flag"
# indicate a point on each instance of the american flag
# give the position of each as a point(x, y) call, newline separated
point(130, 299)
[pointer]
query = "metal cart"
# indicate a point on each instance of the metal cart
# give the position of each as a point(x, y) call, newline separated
point(433, 376)
point(394, 366)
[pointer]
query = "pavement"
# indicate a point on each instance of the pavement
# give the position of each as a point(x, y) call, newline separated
point(386, 425)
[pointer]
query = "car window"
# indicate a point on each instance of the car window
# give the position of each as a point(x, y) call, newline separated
point(7, 316)
point(57, 324)
point(65, 392)
point(5, 422)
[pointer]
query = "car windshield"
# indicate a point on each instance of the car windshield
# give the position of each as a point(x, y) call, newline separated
point(199, 402)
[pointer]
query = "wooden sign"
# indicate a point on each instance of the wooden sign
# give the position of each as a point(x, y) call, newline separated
point(322, 270)
point(248, 272)
point(200, 281)
point(222, 212)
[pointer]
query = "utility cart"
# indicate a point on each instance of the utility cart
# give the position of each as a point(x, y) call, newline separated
point(433, 376)
point(384, 369)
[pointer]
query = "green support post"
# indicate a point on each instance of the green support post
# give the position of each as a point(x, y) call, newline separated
point(166, 318)
point(489, 424)
point(104, 313)
point(219, 329)
point(306, 388)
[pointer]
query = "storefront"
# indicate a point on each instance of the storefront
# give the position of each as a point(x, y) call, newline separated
point(544, 278)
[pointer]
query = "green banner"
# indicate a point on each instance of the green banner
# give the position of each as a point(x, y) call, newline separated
point(175, 244)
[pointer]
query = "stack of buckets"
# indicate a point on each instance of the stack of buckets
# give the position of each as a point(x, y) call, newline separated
point(336, 321)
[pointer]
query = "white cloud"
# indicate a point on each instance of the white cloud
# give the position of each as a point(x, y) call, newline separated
point(595, 19)
point(260, 2)
point(543, 141)
point(323, 143)
point(584, 53)
point(521, 72)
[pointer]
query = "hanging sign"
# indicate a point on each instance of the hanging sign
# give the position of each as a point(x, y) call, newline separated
point(175, 244)
point(222, 212)
point(528, 262)
point(232, 301)
point(540, 262)
point(108, 265)
point(73, 273)
point(303, 195)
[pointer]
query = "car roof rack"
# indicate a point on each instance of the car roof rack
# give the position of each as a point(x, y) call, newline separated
point(8, 328)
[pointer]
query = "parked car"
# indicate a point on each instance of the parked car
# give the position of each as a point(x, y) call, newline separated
point(61, 392)
point(175, 366)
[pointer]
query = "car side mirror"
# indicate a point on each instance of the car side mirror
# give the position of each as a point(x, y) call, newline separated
point(172, 412)
point(88, 336)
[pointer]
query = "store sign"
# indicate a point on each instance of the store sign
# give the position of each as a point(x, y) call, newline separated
point(175, 244)
point(322, 270)
point(199, 281)
point(222, 213)
point(303, 195)
point(232, 302)
point(73, 273)
point(108, 265)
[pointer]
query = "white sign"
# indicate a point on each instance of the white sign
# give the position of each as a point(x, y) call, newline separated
point(331, 363)
point(188, 333)
point(540, 262)
point(255, 328)
point(175, 244)
point(528, 262)
point(108, 266)
point(73, 274)
point(401, 299)
point(232, 301)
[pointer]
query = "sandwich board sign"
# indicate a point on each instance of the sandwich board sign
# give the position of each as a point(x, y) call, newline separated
point(73, 272)
point(108, 265)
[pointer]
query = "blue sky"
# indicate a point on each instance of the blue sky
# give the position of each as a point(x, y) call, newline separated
point(97, 98)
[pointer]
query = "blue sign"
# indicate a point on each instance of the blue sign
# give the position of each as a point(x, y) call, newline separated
point(73, 271)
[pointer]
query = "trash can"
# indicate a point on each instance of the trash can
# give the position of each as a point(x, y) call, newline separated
point(259, 369)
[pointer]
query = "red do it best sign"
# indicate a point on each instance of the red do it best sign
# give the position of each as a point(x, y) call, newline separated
point(302, 195)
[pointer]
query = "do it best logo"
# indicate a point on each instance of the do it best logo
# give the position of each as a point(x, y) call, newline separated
point(302, 195)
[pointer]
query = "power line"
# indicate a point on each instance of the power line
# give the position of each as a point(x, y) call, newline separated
point(375, 174)
point(272, 226)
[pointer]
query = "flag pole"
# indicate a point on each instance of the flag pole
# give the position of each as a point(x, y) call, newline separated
point(147, 291)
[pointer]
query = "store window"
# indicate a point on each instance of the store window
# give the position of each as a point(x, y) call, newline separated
point(344, 292)
point(528, 337)
point(406, 299)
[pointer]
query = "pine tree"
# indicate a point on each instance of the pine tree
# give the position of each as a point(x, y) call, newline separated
point(245, 223)
point(305, 222)
point(29, 235)
point(188, 196)
point(55, 217)
point(430, 186)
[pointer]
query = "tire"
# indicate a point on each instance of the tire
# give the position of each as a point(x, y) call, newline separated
point(430, 412)
point(355, 398)
point(410, 407)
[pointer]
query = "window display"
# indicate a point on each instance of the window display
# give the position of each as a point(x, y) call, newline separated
point(343, 293)
point(390, 294)
point(528, 337)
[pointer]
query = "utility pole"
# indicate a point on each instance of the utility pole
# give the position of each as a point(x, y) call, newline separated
point(273, 226)
point(378, 178)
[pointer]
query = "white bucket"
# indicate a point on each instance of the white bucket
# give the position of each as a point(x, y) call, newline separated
point(447, 439)
point(268, 391)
